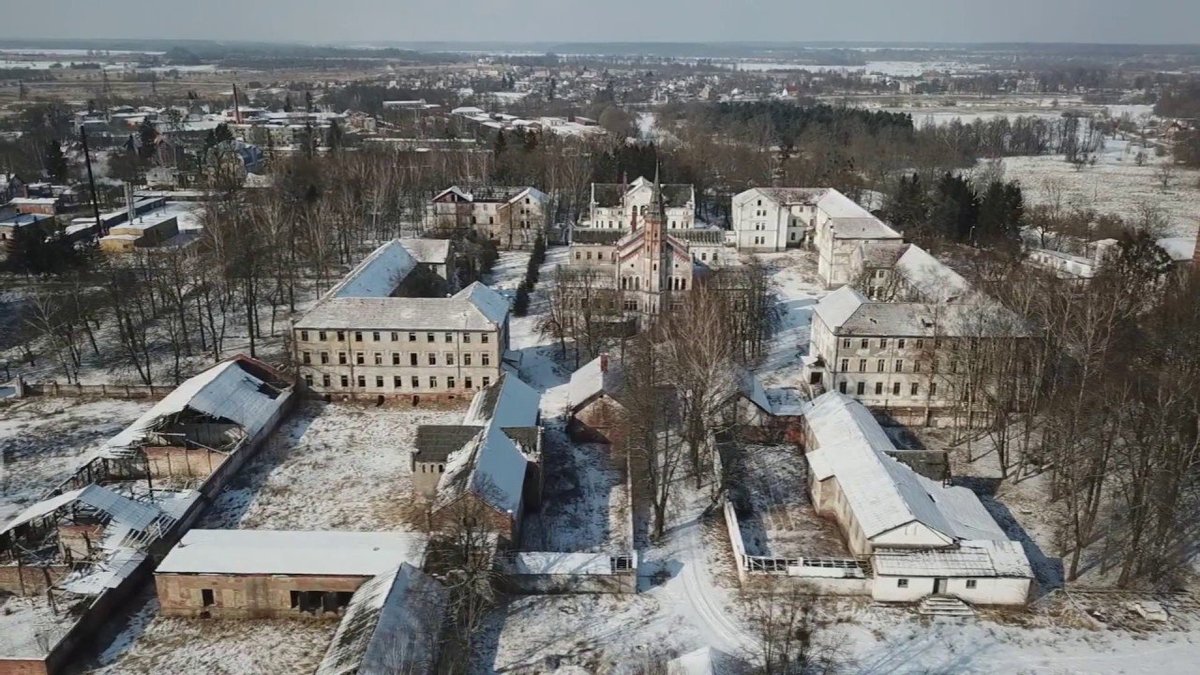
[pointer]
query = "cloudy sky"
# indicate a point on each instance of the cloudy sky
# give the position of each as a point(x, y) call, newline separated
point(1127, 21)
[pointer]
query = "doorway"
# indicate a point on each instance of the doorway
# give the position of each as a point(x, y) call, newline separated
point(939, 586)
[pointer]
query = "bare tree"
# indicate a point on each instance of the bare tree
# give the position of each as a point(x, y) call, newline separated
point(791, 636)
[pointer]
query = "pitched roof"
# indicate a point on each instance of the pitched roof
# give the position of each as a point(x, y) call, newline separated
point(378, 275)
point(508, 401)
point(930, 277)
point(119, 509)
point(294, 552)
point(492, 305)
point(883, 493)
point(391, 625)
point(969, 559)
point(435, 442)
point(477, 312)
point(235, 389)
point(590, 381)
point(837, 307)
point(429, 251)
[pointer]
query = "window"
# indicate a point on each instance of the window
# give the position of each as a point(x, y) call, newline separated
point(304, 336)
point(487, 381)
point(433, 381)
point(895, 388)
point(914, 389)
point(866, 343)
point(341, 336)
point(395, 336)
point(416, 382)
point(321, 336)
point(433, 359)
point(845, 365)
point(325, 381)
point(862, 365)
point(379, 358)
point(397, 382)
point(345, 382)
point(206, 597)
point(360, 358)
point(395, 358)
point(305, 357)
point(879, 366)
point(324, 357)
point(920, 344)
point(842, 387)
point(379, 381)
point(412, 337)
point(467, 359)
point(449, 337)
point(485, 359)
point(883, 343)
point(429, 337)
point(358, 336)
point(449, 358)
point(342, 358)
point(878, 388)
point(862, 388)
point(362, 381)
point(900, 343)
point(846, 343)
point(971, 583)
point(933, 388)
point(467, 382)
point(308, 380)
point(466, 338)
point(902, 583)
point(916, 366)
point(412, 359)
point(899, 365)
point(483, 339)
point(450, 382)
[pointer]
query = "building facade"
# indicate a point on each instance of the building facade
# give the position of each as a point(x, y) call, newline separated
point(616, 206)
point(513, 217)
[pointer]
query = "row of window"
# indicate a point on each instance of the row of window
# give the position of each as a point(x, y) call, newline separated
point(380, 382)
point(880, 366)
point(903, 583)
point(901, 343)
point(914, 388)
point(360, 358)
point(394, 336)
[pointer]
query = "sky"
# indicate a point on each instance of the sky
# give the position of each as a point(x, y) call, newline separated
point(369, 21)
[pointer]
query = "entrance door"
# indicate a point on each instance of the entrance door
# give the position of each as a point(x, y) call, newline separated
point(939, 586)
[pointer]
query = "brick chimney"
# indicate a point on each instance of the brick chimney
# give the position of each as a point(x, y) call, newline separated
point(604, 362)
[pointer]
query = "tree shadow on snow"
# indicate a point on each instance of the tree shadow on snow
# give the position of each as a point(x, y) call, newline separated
point(1047, 570)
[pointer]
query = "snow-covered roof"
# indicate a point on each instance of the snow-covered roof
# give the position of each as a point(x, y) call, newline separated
point(96, 578)
point(592, 379)
point(930, 277)
point(228, 390)
point(703, 661)
point(490, 466)
point(837, 307)
point(378, 275)
point(120, 510)
point(294, 552)
point(1181, 249)
point(391, 625)
point(970, 559)
point(492, 305)
point(508, 402)
point(752, 389)
point(428, 251)
point(884, 494)
point(837, 205)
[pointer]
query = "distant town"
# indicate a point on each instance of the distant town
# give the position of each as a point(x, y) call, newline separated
point(607, 358)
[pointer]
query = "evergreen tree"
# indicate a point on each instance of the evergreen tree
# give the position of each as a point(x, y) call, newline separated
point(147, 134)
point(32, 251)
point(909, 205)
point(521, 303)
point(500, 144)
point(333, 138)
point(55, 162)
point(954, 212)
point(1001, 215)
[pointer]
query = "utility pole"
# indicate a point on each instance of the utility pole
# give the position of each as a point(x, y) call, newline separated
point(87, 159)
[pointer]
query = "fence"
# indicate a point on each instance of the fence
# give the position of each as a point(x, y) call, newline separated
point(550, 572)
point(130, 391)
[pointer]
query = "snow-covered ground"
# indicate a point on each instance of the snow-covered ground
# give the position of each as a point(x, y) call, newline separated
point(330, 466)
point(152, 644)
point(43, 441)
point(793, 275)
point(783, 522)
point(1116, 184)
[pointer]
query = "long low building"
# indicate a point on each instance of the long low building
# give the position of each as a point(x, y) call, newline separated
point(276, 573)
point(362, 340)
point(923, 537)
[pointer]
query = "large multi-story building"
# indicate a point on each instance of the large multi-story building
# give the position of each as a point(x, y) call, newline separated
point(513, 217)
point(772, 219)
point(900, 358)
point(362, 340)
point(617, 206)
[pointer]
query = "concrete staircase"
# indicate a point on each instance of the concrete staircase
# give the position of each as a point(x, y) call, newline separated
point(944, 605)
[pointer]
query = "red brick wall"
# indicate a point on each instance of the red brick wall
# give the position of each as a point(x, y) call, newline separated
point(22, 667)
point(243, 596)
point(34, 578)
point(168, 461)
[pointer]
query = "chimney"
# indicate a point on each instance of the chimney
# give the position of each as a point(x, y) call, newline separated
point(604, 362)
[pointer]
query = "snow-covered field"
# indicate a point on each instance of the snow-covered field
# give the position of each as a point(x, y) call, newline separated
point(1116, 184)
point(43, 441)
point(793, 275)
point(329, 467)
point(152, 644)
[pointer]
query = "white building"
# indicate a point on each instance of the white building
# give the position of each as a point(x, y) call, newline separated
point(922, 537)
point(615, 206)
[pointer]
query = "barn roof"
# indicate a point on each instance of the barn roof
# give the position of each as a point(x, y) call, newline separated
point(378, 275)
point(435, 442)
point(392, 625)
point(294, 552)
point(930, 277)
point(969, 559)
